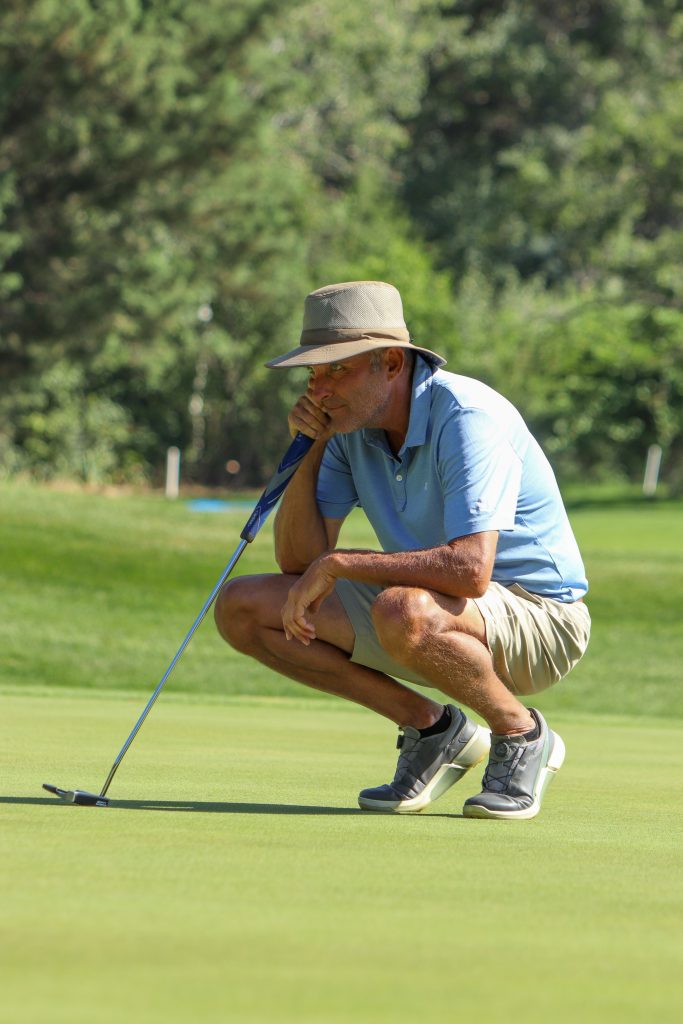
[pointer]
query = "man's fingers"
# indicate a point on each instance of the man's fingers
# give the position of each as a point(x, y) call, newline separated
point(305, 629)
point(308, 418)
point(297, 625)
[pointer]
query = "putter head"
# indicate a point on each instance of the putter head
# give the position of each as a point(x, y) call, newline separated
point(77, 796)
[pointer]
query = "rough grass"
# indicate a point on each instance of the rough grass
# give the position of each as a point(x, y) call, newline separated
point(100, 592)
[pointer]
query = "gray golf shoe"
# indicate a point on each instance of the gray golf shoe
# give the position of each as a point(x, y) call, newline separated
point(517, 774)
point(429, 765)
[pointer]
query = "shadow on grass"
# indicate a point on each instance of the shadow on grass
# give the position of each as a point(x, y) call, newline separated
point(206, 807)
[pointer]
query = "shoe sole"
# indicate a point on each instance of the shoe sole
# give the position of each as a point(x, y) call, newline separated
point(555, 762)
point(474, 751)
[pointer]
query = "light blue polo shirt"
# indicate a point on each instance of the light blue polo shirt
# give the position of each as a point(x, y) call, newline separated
point(468, 464)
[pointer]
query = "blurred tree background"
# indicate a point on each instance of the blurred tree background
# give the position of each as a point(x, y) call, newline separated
point(175, 177)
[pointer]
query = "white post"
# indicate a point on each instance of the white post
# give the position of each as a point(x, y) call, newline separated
point(652, 464)
point(172, 472)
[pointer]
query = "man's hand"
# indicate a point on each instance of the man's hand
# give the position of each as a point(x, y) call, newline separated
point(310, 419)
point(304, 600)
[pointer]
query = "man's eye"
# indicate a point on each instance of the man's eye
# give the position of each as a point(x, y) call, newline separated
point(332, 368)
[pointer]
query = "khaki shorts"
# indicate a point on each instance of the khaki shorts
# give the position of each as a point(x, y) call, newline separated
point(534, 641)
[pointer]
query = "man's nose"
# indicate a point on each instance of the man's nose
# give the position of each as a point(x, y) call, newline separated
point(319, 387)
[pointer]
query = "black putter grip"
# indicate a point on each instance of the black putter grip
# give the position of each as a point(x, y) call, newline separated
point(273, 492)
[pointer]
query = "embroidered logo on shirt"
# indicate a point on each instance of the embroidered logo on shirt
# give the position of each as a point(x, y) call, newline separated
point(481, 505)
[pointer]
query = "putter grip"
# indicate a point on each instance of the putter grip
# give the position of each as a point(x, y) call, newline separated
point(273, 492)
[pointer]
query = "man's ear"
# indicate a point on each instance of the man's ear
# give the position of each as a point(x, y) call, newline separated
point(394, 361)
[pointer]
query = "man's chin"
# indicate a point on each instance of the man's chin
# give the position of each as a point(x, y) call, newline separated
point(344, 422)
point(347, 427)
point(340, 423)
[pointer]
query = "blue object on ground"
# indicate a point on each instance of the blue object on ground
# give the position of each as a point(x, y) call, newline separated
point(217, 505)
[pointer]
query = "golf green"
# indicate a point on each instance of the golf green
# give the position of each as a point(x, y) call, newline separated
point(233, 878)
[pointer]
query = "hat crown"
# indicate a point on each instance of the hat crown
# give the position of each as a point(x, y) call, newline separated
point(354, 305)
point(350, 319)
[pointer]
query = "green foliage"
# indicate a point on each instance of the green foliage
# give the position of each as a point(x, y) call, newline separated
point(372, 238)
point(74, 433)
point(138, 192)
point(515, 169)
point(161, 158)
point(547, 130)
point(547, 170)
point(597, 380)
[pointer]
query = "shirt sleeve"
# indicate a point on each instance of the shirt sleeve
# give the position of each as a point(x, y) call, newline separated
point(336, 492)
point(480, 474)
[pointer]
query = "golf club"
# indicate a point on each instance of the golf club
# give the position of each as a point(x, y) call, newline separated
point(273, 491)
point(77, 796)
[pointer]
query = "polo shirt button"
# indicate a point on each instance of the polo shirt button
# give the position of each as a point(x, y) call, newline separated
point(399, 477)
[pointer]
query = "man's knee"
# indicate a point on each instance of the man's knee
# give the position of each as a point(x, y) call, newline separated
point(406, 617)
point(402, 616)
point(237, 611)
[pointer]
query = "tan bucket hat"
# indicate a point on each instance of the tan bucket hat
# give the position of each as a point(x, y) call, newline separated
point(344, 320)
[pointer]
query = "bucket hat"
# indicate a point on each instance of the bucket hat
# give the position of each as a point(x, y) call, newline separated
point(345, 320)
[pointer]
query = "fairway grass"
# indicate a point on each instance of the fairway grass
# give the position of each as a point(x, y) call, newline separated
point(234, 879)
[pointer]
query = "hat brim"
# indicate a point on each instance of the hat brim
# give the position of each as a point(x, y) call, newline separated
point(316, 355)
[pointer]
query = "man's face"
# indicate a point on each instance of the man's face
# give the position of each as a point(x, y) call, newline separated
point(354, 392)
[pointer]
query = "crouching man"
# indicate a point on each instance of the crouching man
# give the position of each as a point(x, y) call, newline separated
point(478, 589)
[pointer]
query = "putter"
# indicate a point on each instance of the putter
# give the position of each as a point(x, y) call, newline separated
point(271, 495)
point(77, 796)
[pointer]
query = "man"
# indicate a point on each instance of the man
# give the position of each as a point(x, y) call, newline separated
point(478, 589)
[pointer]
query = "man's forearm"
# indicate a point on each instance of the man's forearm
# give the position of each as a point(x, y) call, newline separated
point(300, 535)
point(461, 569)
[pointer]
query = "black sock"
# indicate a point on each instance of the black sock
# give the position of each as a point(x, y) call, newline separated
point(439, 726)
point(534, 733)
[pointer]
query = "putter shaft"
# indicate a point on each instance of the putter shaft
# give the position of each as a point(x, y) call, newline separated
point(150, 703)
point(271, 495)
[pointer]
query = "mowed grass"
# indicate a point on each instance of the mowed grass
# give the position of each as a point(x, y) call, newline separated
point(234, 879)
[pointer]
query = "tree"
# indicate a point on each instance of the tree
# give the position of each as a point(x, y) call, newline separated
point(546, 164)
point(159, 158)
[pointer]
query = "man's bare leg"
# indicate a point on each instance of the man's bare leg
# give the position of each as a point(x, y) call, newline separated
point(248, 617)
point(444, 639)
